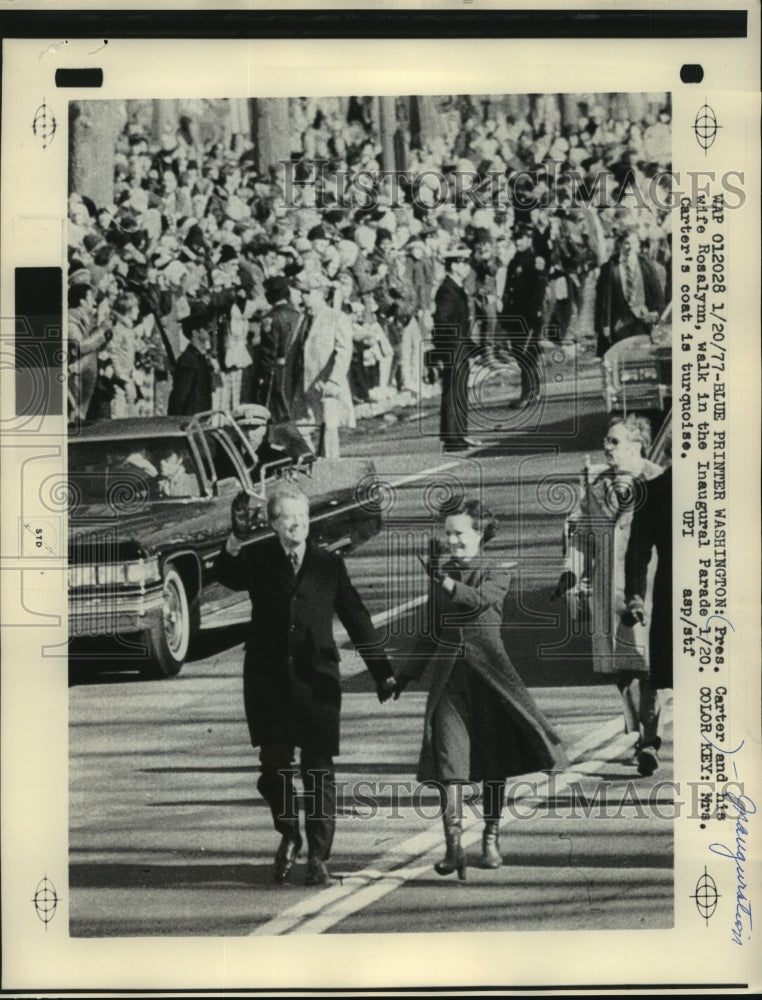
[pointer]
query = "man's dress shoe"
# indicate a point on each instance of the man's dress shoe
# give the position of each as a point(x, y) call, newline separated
point(318, 873)
point(286, 855)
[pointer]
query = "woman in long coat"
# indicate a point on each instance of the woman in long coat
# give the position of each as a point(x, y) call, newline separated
point(481, 722)
point(597, 533)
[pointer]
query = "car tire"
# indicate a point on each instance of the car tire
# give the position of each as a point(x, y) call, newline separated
point(169, 639)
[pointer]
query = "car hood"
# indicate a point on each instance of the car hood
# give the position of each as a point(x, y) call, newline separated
point(98, 533)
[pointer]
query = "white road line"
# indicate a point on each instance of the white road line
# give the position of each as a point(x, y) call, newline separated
point(596, 738)
point(356, 891)
point(424, 472)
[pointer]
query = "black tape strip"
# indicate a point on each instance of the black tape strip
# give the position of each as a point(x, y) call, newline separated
point(698, 22)
point(79, 78)
point(38, 341)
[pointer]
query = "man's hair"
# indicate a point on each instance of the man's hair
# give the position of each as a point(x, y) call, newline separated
point(77, 294)
point(284, 491)
point(638, 428)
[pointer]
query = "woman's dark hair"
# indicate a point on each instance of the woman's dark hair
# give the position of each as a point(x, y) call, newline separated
point(482, 518)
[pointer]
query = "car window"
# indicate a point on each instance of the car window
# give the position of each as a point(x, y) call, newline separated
point(118, 472)
point(225, 469)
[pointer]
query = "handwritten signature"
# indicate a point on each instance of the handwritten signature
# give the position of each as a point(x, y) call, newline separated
point(744, 807)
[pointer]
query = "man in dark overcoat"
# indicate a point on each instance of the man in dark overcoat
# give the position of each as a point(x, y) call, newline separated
point(280, 358)
point(193, 377)
point(453, 348)
point(629, 297)
point(521, 314)
point(292, 692)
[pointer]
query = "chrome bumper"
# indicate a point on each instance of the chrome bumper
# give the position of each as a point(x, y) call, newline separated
point(108, 611)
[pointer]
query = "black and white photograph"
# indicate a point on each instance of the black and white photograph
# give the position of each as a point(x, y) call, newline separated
point(370, 614)
point(411, 333)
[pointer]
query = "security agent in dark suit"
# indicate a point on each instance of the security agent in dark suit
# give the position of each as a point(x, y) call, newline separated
point(521, 314)
point(453, 349)
point(279, 359)
point(193, 377)
point(292, 692)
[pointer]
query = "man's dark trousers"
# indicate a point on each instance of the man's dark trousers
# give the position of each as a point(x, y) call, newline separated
point(276, 786)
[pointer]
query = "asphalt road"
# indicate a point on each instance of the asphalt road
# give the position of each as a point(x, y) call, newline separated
point(169, 837)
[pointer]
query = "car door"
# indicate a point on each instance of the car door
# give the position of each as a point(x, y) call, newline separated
point(228, 475)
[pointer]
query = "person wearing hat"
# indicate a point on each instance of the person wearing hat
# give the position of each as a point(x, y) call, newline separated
point(279, 358)
point(521, 314)
point(453, 348)
point(193, 377)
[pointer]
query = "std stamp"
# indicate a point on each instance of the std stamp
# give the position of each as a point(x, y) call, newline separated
point(40, 537)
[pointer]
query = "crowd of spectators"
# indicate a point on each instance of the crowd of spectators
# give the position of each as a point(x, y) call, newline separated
point(197, 237)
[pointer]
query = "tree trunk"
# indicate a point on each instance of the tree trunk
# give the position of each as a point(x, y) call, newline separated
point(165, 118)
point(387, 124)
point(93, 128)
point(270, 124)
point(570, 110)
point(423, 118)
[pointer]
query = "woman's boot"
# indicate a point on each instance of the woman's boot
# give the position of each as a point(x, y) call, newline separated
point(452, 818)
point(493, 798)
point(491, 857)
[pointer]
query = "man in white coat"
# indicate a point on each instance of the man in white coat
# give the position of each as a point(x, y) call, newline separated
point(326, 401)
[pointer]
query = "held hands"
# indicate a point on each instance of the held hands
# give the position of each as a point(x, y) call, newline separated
point(388, 688)
point(392, 687)
point(401, 683)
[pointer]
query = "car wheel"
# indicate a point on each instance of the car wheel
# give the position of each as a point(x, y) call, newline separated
point(169, 639)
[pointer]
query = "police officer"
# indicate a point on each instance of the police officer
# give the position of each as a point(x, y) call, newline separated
point(521, 317)
point(453, 348)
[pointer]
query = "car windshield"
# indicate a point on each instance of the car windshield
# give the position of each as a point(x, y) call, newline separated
point(117, 471)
